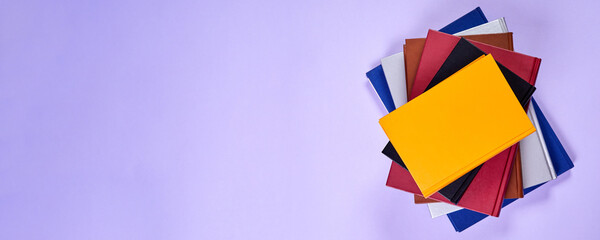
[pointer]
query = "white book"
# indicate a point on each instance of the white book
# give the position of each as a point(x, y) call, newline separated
point(536, 164)
point(395, 75)
point(440, 209)
point(496, 26)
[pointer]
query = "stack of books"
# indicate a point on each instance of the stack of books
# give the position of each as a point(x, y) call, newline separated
point(466, 136)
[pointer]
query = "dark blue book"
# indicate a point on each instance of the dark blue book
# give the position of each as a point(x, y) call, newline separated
point(463, 219)
point(377, 78)
point(376, 75)
point(469, 20)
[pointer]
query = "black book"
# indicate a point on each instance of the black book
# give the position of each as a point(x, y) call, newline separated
point(391, 153)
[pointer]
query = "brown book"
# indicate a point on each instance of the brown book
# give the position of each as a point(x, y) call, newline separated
point(515, 183)
point(412, 56)
point(420, 199)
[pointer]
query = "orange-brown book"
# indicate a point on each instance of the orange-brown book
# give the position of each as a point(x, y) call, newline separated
point(420, 199)
point(515, 182)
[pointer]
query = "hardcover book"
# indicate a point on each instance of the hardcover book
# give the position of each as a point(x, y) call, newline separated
point(440, 209)
point(393, 69)
point(469, 20)
point(515, 181)
point(496, 26)
point(536, 162)
point(420, 200)
point(377, 80)
point(470, 135)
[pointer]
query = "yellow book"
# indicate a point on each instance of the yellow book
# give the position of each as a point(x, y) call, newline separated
point(457, 125)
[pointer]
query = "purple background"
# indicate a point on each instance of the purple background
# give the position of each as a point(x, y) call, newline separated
point(254, 120)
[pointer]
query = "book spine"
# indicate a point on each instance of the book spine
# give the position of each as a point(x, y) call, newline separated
point(514, 188)
point(406, 72)
point(535, 70)
point(510, 41)
point(503, 24)
point(540, 134)
point(518, 173)
point(504, 182)
point(478, 9)
point(530, 92)
point(463, 188)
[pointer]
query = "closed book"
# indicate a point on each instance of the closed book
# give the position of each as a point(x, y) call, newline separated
point(515, 181)
point(377, 79)
point(536, 161)
point(463, 219)
point(472, 133)
point(440, 209)
point(496, 26)
point(473, 18)
point(412, 56)
point(393, 69)
point(421, 200)
point(391, 153)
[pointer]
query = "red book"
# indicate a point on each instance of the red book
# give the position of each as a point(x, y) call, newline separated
point(486, 192)
point(484, 195)
point(438, 46)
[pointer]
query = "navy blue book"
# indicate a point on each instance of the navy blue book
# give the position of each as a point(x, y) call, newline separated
point(469, 20)
point(463, 219)
point(377, 77)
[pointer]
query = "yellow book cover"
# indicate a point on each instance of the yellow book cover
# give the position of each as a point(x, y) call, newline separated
point(457, 125)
